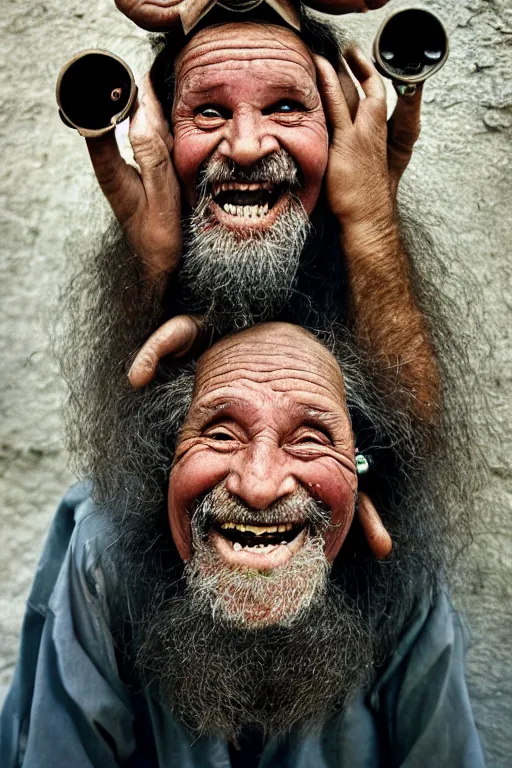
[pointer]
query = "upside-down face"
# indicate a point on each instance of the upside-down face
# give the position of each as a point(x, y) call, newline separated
point(245, 92)
point(269, 434)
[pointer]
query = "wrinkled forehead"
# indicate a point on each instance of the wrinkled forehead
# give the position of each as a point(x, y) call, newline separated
point(277, 359)
point(234, 44)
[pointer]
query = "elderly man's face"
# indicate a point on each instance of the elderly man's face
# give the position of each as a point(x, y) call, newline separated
point(245, 92)
point(266, 455)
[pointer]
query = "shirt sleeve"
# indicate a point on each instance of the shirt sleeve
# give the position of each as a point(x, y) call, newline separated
point(67, 705)
point(424, 697)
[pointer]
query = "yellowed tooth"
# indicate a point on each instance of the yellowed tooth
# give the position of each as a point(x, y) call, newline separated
point(258, 530)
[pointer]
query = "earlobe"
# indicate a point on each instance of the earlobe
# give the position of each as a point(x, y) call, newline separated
point(379, 540)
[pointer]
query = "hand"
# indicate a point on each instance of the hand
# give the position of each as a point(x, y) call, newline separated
point(345, 6)
point(153, 15)
point(403, 133)
point(146, 204)
point(400, 134)
point(158, 15)
point(176, 337)
point(357, 180)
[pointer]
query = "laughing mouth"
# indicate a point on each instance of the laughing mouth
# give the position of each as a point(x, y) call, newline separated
point(259, 539)
point(252, 200)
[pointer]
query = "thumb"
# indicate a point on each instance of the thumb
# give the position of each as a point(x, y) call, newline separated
point(175, 337)
point(376, 534)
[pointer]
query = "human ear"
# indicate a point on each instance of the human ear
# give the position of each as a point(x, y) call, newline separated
point(379, 540)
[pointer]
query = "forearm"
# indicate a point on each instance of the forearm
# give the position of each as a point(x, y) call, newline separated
point(386, 319)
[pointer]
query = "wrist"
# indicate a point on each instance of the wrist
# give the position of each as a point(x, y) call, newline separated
point(375, 232)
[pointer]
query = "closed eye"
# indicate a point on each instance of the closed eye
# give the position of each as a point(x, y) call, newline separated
point(311, 436)
point(220, 434)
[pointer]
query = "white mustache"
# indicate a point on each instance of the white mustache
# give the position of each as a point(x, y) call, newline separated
point(219, 506)
point(278, 168)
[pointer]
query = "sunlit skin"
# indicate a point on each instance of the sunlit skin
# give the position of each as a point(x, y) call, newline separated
point(268, 416)
point(244, 91)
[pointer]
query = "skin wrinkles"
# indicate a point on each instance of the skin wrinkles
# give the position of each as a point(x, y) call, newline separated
point(222, 42)
point(266, 357)
point(275, 67)
point(276, 379)
point(265, 442)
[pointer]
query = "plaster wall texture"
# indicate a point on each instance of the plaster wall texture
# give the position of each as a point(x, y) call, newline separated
point(461, 171)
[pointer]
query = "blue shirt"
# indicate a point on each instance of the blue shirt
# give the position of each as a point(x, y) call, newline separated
point(68, 708)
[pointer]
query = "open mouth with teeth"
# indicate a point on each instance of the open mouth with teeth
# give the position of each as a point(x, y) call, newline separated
point(259, 537)
point(258, 546)
point(248, 200)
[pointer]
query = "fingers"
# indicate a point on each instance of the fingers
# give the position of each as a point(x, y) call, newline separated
point(403, 133)
point(367, 76)
point(153, 15)
point(333, 98)
point(376, 534)
point(175, 337)
point(120, 183)
point(349, 89)
point(152, 144)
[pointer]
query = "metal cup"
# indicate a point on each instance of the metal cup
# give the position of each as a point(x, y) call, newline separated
point(95, 91)
point(411, 45)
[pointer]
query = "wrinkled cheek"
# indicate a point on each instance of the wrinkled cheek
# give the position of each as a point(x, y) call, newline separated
point(314, 166)
point(340, 525)
point(189, 153)
point(338, 493)
point(190, 480)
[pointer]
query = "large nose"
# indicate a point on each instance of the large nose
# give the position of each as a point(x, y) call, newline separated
point(260, 475)
point(248, 137)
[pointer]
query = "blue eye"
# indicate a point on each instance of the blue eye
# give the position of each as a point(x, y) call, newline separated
point(285, 107)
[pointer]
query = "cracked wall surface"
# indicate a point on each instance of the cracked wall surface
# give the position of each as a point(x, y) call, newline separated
point(461, 174)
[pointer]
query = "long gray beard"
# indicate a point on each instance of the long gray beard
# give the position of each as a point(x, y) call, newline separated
point(220, 674)
point(218, 679)
point(237, 279)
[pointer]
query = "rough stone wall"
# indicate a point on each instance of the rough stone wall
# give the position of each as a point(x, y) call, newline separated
point(462, 170)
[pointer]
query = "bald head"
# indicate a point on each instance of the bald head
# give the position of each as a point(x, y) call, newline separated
point(283, 357)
